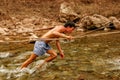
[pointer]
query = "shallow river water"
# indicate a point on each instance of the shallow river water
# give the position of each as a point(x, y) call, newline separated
point(93, 58)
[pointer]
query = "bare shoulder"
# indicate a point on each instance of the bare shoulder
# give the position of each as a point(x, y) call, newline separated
point(58, 28)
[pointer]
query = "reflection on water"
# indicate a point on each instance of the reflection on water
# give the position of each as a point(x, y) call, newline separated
point(88, 59)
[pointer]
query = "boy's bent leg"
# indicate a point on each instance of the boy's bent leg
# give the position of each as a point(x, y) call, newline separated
point(52, 56)
point(29, 60)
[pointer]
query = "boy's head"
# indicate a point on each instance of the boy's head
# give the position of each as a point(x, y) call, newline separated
point(70, 26)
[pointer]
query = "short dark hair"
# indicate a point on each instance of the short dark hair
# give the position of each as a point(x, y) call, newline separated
point(70, 24)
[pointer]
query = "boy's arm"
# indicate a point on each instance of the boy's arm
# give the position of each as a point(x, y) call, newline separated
point(59, 48)
point(62, 35)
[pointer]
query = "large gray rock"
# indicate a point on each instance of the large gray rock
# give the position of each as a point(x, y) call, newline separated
point(115, 21)
point(94, 22)
point(104, 20)
point(67, 12)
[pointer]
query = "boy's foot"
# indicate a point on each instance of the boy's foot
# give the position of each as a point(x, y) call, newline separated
point(25, 70)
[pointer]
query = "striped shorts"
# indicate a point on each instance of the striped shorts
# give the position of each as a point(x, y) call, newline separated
point(40, 48)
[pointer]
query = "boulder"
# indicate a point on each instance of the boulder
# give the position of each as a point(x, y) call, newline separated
point(95, 22)
point(103, 20)
point(89, 22)
point(67, 12)
point(115, 21)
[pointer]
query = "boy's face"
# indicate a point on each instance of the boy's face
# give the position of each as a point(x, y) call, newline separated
point(69, 29)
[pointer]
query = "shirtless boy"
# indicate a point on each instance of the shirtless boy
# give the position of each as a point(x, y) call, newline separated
point(42, 46)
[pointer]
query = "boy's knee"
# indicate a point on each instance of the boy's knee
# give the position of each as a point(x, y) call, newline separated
point(54, 55)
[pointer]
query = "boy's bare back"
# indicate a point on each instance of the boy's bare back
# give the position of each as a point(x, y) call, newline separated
point(56, 32)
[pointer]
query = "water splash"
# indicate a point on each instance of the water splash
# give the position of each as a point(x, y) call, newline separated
point(18, 72)
point(23, 55)
point(5, 54)
point(115, 62)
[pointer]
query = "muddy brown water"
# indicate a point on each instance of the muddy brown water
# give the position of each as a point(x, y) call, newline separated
point(93, 58)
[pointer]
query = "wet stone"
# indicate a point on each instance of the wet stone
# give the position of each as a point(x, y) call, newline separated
point(2, 75)
point(23, 77)
point(50, 76)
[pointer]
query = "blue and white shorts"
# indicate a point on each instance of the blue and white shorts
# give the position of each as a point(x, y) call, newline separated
point(40, 48)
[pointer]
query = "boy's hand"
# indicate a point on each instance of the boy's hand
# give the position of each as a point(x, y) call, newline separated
point(70, 37)
point(62, 55)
